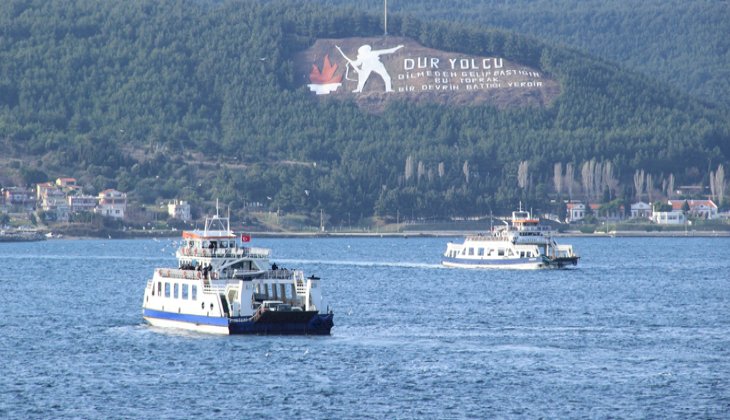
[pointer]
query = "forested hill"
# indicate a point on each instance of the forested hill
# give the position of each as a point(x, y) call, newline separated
point(681, 43)
point(198, 100)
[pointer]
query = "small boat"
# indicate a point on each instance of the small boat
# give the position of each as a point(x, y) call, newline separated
point(524, 243)
point(222, 286)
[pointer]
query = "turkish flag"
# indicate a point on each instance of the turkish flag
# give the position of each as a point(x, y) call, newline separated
point(245, 238)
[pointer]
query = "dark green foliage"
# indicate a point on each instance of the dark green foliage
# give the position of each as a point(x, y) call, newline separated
point(683, 44)
point(199, 100)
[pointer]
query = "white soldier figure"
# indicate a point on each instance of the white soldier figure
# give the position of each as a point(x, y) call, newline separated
point(368, 61)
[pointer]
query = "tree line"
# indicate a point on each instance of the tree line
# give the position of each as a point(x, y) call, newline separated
point(198, 101)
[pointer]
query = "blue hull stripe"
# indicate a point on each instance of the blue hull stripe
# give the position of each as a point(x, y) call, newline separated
point(512, 261)
point(193, 319)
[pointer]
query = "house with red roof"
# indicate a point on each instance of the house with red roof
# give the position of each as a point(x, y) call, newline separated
point(112, 203)
point(702, 209)
point(575, 211)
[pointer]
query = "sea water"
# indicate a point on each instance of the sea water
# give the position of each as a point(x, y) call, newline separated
point(640, 329)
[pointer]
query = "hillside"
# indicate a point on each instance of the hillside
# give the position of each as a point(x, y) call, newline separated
point(197, 100)
point(682, 44)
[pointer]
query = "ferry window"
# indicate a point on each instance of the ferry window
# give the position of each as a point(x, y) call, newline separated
point(194, 292)
point(471, 251)
point(159, 288)
point(175, 291)
point(185, 291)
point(481, 252)
point(167, 289)
point(500, 252)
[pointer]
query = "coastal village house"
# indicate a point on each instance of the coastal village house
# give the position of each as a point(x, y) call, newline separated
point(607, 213)
point(52, 197)
point(179, 209)
point(575, 212)
point(674, 217)
point(69, 183)
point(41, 190)
point(112, 203)
point(17, 197)
point(641, 210)
point(54, 202)
point(82, 203)
point(64, 197)
point(703, 209)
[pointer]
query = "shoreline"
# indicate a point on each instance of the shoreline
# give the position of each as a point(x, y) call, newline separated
point(417, 234)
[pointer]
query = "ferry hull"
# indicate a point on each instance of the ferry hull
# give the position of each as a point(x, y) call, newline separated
point(562, 262)
point(284, 323)
point(516, 264)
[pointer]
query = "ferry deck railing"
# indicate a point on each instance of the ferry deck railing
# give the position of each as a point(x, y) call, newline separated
point(252, 252)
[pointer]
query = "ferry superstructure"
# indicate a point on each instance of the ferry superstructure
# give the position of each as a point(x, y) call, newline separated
point(522, 244)
point(221, 286)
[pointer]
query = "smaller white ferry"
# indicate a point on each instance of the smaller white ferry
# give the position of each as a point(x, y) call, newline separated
point(523, 244)
point(221, 286)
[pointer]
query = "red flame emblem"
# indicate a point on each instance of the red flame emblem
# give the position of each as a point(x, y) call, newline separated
point(327, 75)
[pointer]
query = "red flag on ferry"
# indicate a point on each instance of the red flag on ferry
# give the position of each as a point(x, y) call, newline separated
point(245, 238)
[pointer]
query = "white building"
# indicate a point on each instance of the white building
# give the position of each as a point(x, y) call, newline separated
point(669, 217)
point(704, 209)
point(576, 212)
point(112, 203)
point(641, 210)
point(179, 209)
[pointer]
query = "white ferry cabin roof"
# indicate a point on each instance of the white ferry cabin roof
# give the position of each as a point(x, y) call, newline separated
point(210, 234)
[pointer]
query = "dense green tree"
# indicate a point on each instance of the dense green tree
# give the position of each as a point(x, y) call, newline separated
point(199, 100)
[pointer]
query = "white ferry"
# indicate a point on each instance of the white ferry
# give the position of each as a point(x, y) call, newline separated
point(523, 244)
point(221, 286)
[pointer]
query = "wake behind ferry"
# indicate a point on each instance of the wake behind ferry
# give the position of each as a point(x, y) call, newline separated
point(223, 287)
point(522, 244)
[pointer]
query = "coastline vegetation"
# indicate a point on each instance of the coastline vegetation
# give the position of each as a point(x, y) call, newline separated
point(199, 100)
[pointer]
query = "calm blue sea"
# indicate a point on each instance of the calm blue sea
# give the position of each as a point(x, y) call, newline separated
point(640, 329)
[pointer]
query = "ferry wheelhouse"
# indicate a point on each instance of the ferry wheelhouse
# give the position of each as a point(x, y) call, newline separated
point(523, 243)
point(222, 286)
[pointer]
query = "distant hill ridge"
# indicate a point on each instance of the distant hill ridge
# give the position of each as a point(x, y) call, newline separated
point(134, 95)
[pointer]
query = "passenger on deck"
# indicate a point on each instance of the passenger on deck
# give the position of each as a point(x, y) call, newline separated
point(274, 266)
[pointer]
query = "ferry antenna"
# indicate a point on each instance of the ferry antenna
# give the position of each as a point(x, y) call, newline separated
point(385, 17)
